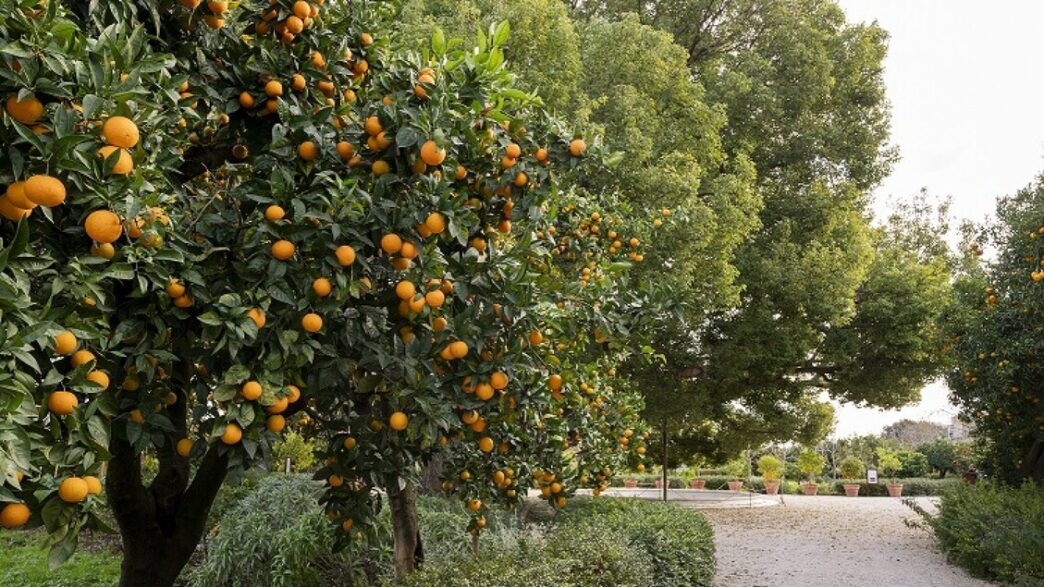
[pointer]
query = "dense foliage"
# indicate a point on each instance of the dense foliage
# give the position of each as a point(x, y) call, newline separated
point(998, 338)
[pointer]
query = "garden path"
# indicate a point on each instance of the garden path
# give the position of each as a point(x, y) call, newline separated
point(827, 541)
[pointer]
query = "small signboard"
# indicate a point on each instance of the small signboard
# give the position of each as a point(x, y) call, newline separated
point(871, 476)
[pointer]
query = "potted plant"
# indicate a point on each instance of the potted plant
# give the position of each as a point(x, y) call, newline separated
point(810, 463)
point(632, 482)
point(770, 468)
point(696, 482)
point(888, 462)
point(736, 469)
point(851, 470)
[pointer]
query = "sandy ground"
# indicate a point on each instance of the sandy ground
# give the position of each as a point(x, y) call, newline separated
point(830, 541)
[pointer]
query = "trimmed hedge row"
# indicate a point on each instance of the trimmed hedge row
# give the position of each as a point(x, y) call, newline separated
point(994, 532)
point(595, 543)
point(920, 486)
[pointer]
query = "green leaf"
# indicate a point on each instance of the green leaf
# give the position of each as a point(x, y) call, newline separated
point(64, 549)
point(438, 42)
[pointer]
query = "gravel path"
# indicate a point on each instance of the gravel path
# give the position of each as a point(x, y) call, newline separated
point(828, 541)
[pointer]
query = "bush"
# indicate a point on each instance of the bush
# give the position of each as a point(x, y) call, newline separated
point(275, 536)
point(922, 486)
point(770, 467)
point(595, 543)
point(295, 447)
point(994, 532)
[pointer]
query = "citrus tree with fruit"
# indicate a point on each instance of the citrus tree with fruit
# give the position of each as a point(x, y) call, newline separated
point(222, 219)
point(996, 339)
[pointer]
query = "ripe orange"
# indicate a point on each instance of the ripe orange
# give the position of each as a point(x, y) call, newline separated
point(458, 349)
point(298, 82)
point(121, 132)
point(577, 147)
point(439, 324)
point(81, 357)
point(398, 421)
point(16, 196)
point(273, 89)
point(474, 505)
point(294, 25)
point(345, 255)
point(274, 213)
point(308, 151)
point(365, 39)
point(251, 390)
point(435, 222)
point(484, 391)
point(100, 378)
point(345, 150)
point(94, 486)
point(311, 322)
point(246, 100)
point(391, 243)
point(65, 343)
point(321, 286)
point(184, 447)
point(275, 424)
point(26, 111)
point(541, 155)
point(373, 126)
point(258, 316)
point(295, 393)
point(435, 298)
point(379, 168)
point(460, 173)
point(283, 249)
point(73, 490)
point(405, 290)
point(499, 380)
point(217, 6)
point(232, 434)
point(431, 154)
point(175, 289)
point(10, 211)
point(14, 515)
point(62, 403)
point(103, 226)
point(513, 151)
point(408, 251)
point(521, 179)
point(555, 382)
point(279, 406)
point(124, 161)
point(486, 444)
point(45, 190)
point(536, 337)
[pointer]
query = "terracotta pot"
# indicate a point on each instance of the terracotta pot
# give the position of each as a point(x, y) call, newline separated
point(659, 483)
point(851, 489)
point(771, 487)
point(630, 483)
point(698, 483)
point(895, 489)
point(735, 485)
point(810, 488)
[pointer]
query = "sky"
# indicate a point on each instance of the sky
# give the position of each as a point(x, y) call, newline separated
point(967, 92)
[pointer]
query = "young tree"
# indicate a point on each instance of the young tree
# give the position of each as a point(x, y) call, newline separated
point(222, 220)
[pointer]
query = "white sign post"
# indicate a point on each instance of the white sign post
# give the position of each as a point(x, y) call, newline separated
point(871, 476)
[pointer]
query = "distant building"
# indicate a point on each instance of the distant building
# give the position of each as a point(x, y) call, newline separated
point(958, 430)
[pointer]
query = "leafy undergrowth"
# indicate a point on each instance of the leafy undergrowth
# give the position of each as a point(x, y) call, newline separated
point(23, 562)
point(994, 532)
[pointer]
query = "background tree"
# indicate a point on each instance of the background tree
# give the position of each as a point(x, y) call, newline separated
point(300, 224)
point(909, 432)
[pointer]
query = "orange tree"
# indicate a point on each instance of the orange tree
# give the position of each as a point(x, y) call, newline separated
point(997, 339)
point(222, 219)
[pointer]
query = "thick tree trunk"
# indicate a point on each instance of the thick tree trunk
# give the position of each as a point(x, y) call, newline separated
point(409, 551)
point(1033, 464)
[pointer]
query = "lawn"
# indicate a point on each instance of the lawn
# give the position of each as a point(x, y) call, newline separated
point(23, 562)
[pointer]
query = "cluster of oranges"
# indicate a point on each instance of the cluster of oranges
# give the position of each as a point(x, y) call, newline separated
point(216, 10)
point(22, 197)
point(287, 24)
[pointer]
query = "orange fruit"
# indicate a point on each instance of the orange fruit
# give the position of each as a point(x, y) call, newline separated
point(398, 421)
point(555, 382)
point(283, 249)
point(14, 515)
point(45, 190)
point(103, 226)
point(62, 403)
point(312, 322)
point(350, 443)
point(460, 173)
point(124, 161)
point(499, 380)
point(65, 343)
point(184, 447)
point(345, 150)
point(279, 406)
point(274, 213)
point(379, 168)
point(541, 155)
point(435, 222)
point(435, 298)
point(321, 286)
point(73, 490)
point(405, 290)
point(121, 132)
point(275, 424)
point(100, 378)
point(183, 302)
point(246, 100)
point(439, 324)
point(217, 6)
point(251, 390)
point(232, 434)
point(81, 357)
point(431, 154)
point(295, 393)
point(16, 195)
point(521, 179)
point(273, 89)
point(175, 289)
point(258, 316)
point(458, 349)
point(294, 25)
point(308, 151)
point(26, 111)
point(365, 39)
point(577, 147)
point(484, 391)
point(373, 126)
point(513, 151)
point(11, 212)
point(391, 243)
point(536, 337)
point(298, 82)
point(474, 505)
point(94, 486)
point(345, 255)
point(486, 444)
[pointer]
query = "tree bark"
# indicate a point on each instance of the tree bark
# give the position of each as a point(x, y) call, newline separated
point(409, 551)
point(1033, 464)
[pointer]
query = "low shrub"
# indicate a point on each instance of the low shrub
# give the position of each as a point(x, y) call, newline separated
point(922, 486)
point(994, 532)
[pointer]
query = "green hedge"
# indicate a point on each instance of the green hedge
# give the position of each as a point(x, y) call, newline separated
point(919, 486)
point(594, 543)
point(994, 532)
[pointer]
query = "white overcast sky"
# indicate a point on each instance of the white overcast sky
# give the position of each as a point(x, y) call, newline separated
point(966, 83)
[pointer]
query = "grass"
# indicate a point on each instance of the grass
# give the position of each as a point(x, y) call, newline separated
point(23, 562)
